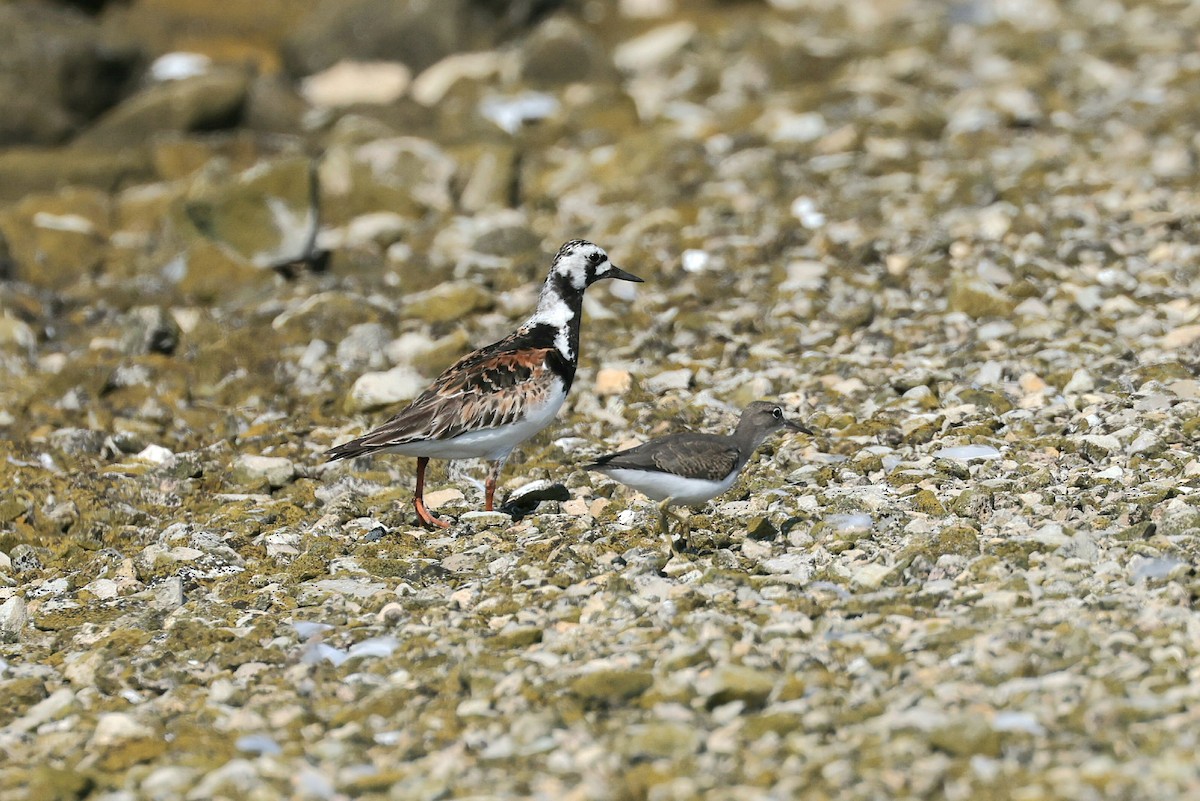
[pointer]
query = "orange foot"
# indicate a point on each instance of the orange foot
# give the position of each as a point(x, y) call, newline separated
point(427, 517)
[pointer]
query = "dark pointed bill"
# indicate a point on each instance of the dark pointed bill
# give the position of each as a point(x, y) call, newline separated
point(797, 426)
point(619, 274)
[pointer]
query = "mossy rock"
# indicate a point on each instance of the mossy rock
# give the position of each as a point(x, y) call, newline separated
point(926, 502)
point(956, 540)
point(612, 686)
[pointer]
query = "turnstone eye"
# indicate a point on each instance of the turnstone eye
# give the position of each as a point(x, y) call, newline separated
point(777, 413)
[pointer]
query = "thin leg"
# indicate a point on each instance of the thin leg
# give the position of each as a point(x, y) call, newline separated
point(426, 516)
point(489, 487)
point(686, 524)
point(664, 523)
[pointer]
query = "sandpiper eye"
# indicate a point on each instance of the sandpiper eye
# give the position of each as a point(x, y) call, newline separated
point(777, 413)
point(595, 258)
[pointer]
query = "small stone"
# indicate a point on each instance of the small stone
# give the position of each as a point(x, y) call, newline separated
point(977, 299)
point(275, 471)
point(151, 329)
point(654, 47)
point(53, 707)
point(761, 528)
point(439, 498)
point(168, 594)
point(871, 577)
point(155, 454)
point(612, 685)
point(727, 683)
point(349, 83)
point(13, 618)
point(481, 519)
point(660, 741)
point(24, 558)
point(114, 728)
point(612, 381)
point(668, 380)
point(517, 637)
point(376, 390)
point(1181, 337)
point(449, 301)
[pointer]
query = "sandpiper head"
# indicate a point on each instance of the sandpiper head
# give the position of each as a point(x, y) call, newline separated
point(579, 264)
point(763, 418)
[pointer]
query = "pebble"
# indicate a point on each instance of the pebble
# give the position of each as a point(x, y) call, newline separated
point(376, 390)
point(275, 471)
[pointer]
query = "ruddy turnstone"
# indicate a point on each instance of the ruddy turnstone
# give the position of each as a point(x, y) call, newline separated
point(492, 400)
point(688, 469)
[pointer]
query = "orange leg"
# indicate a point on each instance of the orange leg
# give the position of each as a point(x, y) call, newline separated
point(490, 485)
point(426, 516)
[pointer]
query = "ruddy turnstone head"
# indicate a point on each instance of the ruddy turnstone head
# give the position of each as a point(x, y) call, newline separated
point(495, 398)
point(578, 265)
point(690, 468)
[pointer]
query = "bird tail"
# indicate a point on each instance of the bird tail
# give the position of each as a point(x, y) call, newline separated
point(348, 450)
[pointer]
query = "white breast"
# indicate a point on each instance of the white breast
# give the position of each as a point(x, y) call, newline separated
point(660, 486)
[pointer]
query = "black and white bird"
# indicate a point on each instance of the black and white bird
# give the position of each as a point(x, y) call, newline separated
point(490, 401)
point(689, 468)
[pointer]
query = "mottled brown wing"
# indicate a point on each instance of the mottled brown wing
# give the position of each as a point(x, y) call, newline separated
point(485, 389)
point(689, 455)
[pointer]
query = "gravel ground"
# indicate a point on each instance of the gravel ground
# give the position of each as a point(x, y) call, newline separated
point(959, 241)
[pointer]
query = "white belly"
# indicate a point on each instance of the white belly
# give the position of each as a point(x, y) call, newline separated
point(660, 486)
point(488, 443)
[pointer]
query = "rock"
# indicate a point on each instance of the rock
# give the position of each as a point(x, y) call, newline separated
point(561, 51)
point(150, 329)
point(432, 85)
point(58, 70)
point(1181, 337)
point(349, 83)
point(77, 440)
point(273, 106)
point(449, 301)
point(13, 618)
point(168, 594)
point(56, 706)
point(262, 214)
point(377, 390)
point(58, 240)
point(669, 380)
point(611, 685)
point(654, 47)
point(416, 32)
point(211, 272)
point(27, 171)
point(363, 346)
point(274, 471)
point(492, 178)
point(429, 356)
point(203, 103)
point(404, 175)
point(660, 741)
point(871, 577)
point(612, 381)
point(977, 299)
point(507, 241)
point(443, 497)
point(114, 728)
point(24, 558)
point(728, 683)
point(15, 333)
